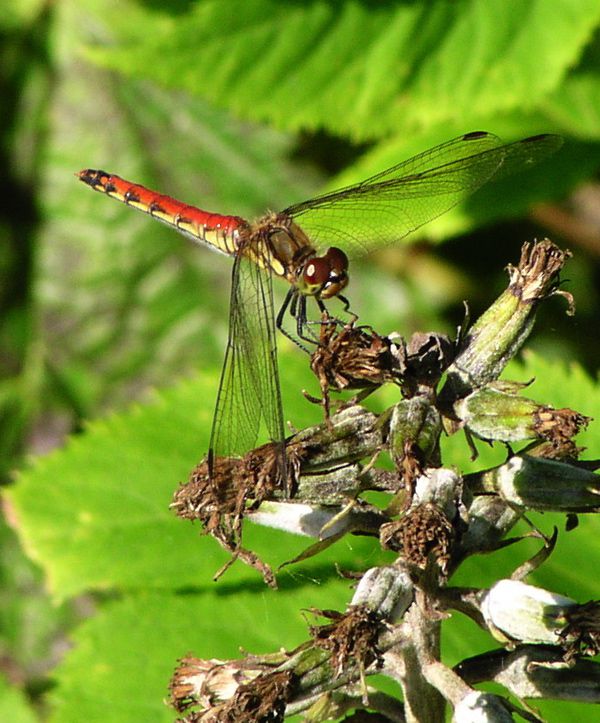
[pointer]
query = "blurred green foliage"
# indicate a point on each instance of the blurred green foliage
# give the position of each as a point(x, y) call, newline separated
point(237, 106)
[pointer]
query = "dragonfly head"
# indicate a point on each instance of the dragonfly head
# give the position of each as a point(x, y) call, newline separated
point(325, 276)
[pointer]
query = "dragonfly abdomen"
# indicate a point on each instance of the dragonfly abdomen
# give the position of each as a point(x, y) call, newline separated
point(217, 231)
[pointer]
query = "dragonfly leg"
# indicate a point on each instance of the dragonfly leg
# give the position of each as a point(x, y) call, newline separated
point(327, 318)
point(291, 302)
point(302, 323)
point(346, 306)
point(286, 302)
point(295, 303)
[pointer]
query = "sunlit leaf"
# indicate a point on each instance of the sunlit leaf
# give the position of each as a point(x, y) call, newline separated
point(104, 522)
point(14, 706)
point(362, 69)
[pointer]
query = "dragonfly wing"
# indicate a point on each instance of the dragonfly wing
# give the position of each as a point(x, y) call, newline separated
point(386, 207)
point(249, 390)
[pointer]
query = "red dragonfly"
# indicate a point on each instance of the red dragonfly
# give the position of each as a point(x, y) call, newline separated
point(358, 219)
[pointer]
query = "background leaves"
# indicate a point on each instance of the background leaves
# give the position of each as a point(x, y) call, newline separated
point(239, 106)
point(365, 70)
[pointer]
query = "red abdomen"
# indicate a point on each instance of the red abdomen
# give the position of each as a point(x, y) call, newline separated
point(218, 231)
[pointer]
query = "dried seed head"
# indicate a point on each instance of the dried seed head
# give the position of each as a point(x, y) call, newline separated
point(535, 277)
point(351, 638)
point(423, 534)
point(206, 682)
point(220, 501)
point(354, 358)
point(559, 426)
point(235, 690)
point(581, 634)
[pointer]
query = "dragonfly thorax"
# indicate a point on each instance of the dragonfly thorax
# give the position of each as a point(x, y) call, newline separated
point(292, 255)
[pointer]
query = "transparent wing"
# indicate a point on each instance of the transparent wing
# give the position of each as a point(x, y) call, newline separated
point(249, 389)
point(386, 207)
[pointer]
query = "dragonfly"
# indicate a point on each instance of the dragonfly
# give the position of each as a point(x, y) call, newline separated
point(309, 245)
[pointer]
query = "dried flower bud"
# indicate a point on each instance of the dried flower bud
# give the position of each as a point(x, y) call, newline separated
point(385, 590)
point(417, 421)
point(492, 413)
point(516, 611)
point(428, 355)
point(540, 483)
point(499, 333)
point(349, 436)
point(351, 638)
point(415, 426)
point(478, 707)
point(354, 358)
point(581, 634)
point(240, 690)
point(207, 682)
point(423, 534)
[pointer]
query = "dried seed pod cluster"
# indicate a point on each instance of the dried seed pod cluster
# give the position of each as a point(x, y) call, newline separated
point(435, 517)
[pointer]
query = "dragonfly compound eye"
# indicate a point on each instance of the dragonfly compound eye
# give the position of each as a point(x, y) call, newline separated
point(338, 261)
point(326, 276)
point(316, 273)
point(338, 273)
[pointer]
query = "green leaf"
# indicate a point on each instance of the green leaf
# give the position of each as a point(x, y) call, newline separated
point(28, 619)
point(103, 520)
point(575, 105)
point(359, 69)
point(17, 13)
point(14, 706)
point(123, 658)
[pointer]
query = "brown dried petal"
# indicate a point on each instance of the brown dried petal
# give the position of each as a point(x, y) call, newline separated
point(229, 691)
point(220, 502)
point(581, 634)
point(207, 682)
point(535, 276)
point(559, 426)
